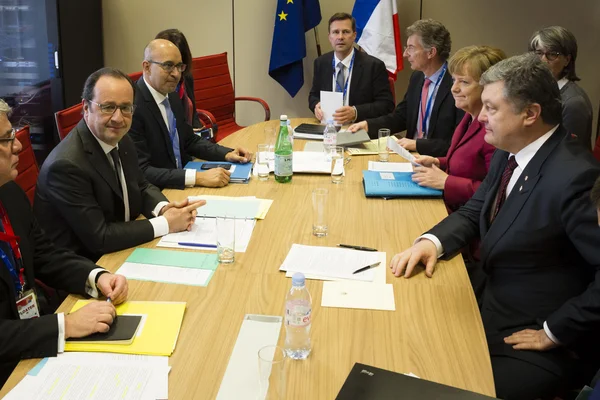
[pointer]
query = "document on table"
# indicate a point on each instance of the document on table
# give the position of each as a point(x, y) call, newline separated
point(362, 295)
point(390, 166)
point(164, 274)
point(96, 376)
point(203, 235)
point(368, 148)
point(221, 206)
point(401, 151)
point(330, 101)
point(332, 262)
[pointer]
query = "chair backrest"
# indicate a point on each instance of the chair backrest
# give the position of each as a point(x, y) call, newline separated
point(135, 76)
point(213, 88)
point(67, 119)
point(27, 168)
point(392, 88)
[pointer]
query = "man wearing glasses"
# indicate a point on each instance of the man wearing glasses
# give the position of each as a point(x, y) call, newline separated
point(91, 190)
point(165, 142)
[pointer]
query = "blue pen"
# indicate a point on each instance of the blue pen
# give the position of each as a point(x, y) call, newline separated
point(208, 246)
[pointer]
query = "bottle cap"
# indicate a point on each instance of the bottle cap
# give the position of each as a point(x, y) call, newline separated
point(298, 279)
point(283, 117)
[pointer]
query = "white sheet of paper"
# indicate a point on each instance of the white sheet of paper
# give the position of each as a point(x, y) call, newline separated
point(204, 231)
point(390, 166)
point(331, 262)
point(330, 101)
point(363, 295)
point(401, 151)
point(165, 274)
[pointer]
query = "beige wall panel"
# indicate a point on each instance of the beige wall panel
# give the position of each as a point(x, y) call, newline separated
point(508, 24)
point(130, 24)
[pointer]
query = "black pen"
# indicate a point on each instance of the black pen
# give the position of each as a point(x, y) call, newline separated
point(366, 268)
point(349, 246)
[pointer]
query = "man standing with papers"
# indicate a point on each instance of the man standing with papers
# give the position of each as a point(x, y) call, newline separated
point(91, 190)
point(28, 329)
point(362, 79)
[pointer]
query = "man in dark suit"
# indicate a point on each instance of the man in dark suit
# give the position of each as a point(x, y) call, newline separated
point(165, 142)
point(427, 111)
point(362, 78)
point(91, 189)
point(539, 237)
point(28, 254)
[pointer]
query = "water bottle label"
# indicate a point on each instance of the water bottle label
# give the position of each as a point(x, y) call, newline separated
point(297, 315)
point(283, 165)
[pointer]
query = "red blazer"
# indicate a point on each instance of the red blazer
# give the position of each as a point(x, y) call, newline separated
point(466, 163)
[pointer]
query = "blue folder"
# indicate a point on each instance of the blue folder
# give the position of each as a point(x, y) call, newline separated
point(401, 186)
point(241, 174)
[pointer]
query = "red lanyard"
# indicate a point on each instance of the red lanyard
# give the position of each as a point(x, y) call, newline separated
point(13, 241)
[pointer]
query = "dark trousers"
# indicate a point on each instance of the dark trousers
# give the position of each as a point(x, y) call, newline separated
point(519, 380)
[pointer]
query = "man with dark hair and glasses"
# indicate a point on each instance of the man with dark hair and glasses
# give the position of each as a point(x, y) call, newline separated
point(91, 190)
point(165, 142)
point(28, 327)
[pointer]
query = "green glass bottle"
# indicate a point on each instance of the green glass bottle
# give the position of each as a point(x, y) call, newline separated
point(283, 153)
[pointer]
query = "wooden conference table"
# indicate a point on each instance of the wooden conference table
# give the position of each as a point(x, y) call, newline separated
point(435, 332)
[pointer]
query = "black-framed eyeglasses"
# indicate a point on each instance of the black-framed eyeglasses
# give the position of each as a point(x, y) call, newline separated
point(11, 138)
point(550, 55)
point(127, 109)
point(169, 66)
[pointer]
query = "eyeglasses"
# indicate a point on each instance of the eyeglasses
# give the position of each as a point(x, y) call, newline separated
point(127, 109)
point(550, 55)
point(169, 66)
point(11, 138)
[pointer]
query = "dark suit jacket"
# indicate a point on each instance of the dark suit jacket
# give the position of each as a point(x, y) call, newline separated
point(466, 163)
point(577, 113)
point(153, 143)
point(369, 86)
point(79, 203)
point(541, 252)
point(59, 268)
point(444, 116)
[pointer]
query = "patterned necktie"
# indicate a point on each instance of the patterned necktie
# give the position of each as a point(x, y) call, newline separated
point(173, 132)
point(506, 175)
point(340, 78)
point(421, 128)
point(114, 154)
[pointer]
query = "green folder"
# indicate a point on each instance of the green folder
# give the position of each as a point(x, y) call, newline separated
point(173, 258)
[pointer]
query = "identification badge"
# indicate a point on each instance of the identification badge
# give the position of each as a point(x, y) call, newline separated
point(28, 305)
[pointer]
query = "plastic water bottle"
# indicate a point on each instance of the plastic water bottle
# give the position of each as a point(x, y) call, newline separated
point(298, 309)
point(329, 136)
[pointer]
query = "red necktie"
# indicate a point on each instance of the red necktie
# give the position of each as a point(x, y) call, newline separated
point(422, 122)
point(506, 175)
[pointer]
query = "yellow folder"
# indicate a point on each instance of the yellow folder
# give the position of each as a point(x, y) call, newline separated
point(156, 336)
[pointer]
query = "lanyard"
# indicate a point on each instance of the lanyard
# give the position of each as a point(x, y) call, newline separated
point(12, 240)
point(429, 100)
point(346, 80)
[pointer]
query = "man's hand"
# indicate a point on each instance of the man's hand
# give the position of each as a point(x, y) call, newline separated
point(427, 161)
point(318, 112)
point(530, 339)
point(423, 251)
point(432, 177)
point(344, 115)
point(91, 318)
point(408, 144)
point(358, 126)
point(239, 155)
point(182, 218)
point(215, 177)
point(113, 286)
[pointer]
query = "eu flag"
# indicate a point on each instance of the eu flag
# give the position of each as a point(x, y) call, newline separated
point(292, 19)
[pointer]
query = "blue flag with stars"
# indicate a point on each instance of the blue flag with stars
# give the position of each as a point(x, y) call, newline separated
point(292, 19)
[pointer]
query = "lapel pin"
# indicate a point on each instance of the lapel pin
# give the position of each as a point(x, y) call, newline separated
point(521, 188)
point(526, 177)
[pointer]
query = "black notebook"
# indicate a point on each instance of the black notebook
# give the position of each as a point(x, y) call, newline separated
point(122, 331)
point(365, 383)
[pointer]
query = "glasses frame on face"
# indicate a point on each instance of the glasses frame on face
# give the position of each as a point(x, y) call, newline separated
point(550, 55)
point(169, 66)
point(110, 109)
point(11, 139)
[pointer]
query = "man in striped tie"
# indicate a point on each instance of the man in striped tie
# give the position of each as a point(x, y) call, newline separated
point(539, 238)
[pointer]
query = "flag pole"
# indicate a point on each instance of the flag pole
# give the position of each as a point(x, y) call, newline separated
point(317, 41)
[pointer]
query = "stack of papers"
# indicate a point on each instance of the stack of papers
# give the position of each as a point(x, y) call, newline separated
point(203, 235)
point(239, 207)
point(168, 266)
point(96, 376)
point(157, 336)
point(368, 148)
point(390, 166)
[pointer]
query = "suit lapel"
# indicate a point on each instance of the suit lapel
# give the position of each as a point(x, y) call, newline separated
point(357, 71)
point(473, 129)
point(518, 196)
point(155, 111)
point(442, 93)
point(98, 157)
point(413, 111)
point(328, 75)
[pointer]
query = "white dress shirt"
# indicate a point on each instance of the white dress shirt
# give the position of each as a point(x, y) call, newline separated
point(347, 77)
point(190, 174)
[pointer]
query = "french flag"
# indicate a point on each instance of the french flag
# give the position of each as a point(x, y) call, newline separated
point(378, 32)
